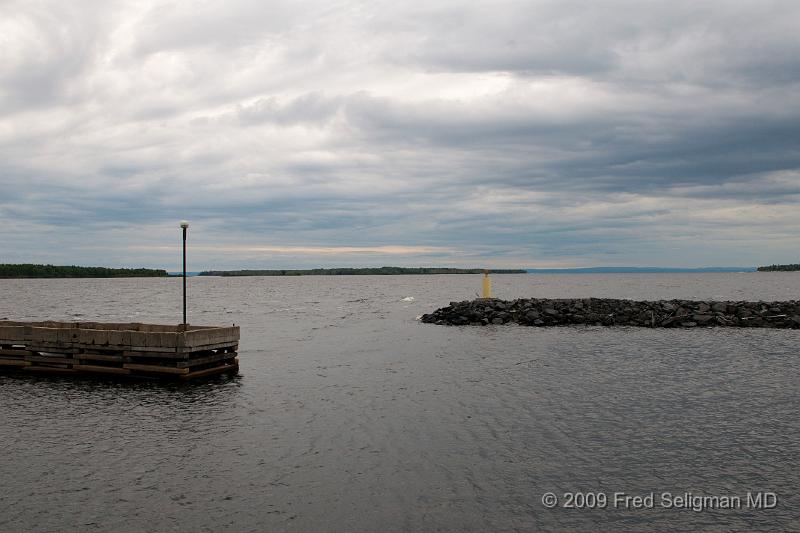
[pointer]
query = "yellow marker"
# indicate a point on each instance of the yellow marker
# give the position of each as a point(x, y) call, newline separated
point(487, 285)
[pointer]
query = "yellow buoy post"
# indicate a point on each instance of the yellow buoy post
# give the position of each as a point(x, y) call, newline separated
point(487, 285)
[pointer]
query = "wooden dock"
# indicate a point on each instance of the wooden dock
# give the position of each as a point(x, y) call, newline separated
point(126, 349)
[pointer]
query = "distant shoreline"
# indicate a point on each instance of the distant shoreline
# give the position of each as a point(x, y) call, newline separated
point(34, 271)
point(41, 271)
point(382, 271)
point(779, 268)
point(639, 270)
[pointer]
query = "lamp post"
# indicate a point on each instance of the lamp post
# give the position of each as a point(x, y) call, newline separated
point(184, 226)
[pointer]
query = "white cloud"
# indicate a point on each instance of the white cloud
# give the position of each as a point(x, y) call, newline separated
point(540, 133)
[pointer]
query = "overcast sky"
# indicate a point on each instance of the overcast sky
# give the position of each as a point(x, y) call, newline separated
point(332, 133)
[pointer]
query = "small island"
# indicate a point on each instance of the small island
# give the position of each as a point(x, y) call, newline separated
point(779, 268)
point(8, 271)
point(382, 271)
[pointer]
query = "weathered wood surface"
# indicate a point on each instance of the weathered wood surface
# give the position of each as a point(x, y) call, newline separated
point(14, 362)
point(101, 369)
point(134, 336)
point(212, 371)
point(156, 368)
point(135, 349)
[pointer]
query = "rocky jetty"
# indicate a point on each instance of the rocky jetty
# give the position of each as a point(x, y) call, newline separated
point(610, 312)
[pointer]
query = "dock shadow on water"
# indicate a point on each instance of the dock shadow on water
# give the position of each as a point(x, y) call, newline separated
point(350, 415)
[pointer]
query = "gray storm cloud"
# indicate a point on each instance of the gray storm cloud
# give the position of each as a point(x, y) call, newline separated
point(484, 133)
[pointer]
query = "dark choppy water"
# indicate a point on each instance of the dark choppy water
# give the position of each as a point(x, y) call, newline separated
point(349, 415)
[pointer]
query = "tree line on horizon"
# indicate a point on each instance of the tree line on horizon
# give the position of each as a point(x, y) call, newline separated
point(72, 271)
point(357, 271)
point(779, 268)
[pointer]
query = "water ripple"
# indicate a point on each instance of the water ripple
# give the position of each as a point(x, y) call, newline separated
point(349, 415)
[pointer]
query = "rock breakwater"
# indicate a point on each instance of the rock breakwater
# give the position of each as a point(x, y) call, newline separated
point(611, 312)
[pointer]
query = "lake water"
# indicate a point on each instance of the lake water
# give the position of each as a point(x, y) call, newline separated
point(350, 415)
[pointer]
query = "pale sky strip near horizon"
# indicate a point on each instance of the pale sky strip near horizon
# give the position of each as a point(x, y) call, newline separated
point(501, 134)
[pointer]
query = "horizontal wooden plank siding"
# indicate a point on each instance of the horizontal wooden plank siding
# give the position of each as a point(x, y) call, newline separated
point(125, 349)
point(156, 368)
point(101, 369)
